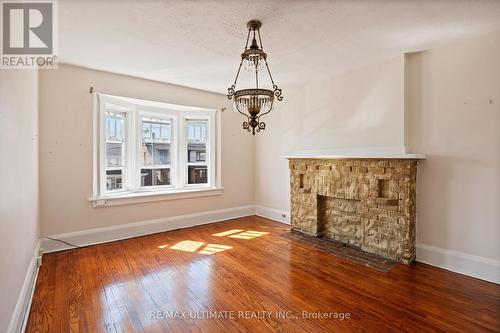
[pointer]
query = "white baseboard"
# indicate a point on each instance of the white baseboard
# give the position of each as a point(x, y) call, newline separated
point(273, 214)
point(21, 312)
point(129, 230)
point(459, 262)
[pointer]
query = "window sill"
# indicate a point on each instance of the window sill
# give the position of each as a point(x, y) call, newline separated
point(151, 196)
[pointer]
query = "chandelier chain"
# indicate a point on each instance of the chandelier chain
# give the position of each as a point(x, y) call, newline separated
point(260, 40)
point(238, 73)
point(269, 72)
point(248, 38)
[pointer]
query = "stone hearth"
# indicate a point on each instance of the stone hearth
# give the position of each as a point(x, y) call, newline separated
point(365, 202)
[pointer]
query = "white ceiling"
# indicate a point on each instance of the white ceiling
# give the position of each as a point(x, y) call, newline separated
point(198, 43)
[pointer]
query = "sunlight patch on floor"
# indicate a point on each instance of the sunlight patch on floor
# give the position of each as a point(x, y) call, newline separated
point(249, 234)
point(226, 233)
point(193, 246)
point(214, 248)
point(241, 234)
point(187, 245)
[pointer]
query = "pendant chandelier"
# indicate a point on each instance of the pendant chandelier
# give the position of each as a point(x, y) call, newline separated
point(253, 103)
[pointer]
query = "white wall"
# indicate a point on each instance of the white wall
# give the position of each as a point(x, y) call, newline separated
point(19, 184)
point(66, 151)
point(357, 109)
point(453, 106)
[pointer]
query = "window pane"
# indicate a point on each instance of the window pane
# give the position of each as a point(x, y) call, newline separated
point(155, 154)
point(146, 177)
point(115, 126)
point(119, 129)
point(161, 153)
point(155, 131)
point(110, 129)
point(114, 154)
point(146, 130)
point(197, 174)
point(165, 132)
point(155, 177)
point(114, 179)
point(147, 154)
point(197, 131)
point(196, 152)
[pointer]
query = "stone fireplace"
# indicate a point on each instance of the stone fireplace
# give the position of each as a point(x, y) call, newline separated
point(365, 202)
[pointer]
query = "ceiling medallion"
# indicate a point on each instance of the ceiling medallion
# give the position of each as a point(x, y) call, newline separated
point(253, 103)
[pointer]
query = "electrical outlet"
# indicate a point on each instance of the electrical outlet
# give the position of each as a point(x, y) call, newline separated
point(99, 203)
point(283, 216)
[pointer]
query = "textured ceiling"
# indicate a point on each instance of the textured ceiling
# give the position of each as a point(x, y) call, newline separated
point(198, 43)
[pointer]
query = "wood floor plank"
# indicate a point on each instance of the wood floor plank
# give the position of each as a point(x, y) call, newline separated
point(131, 285)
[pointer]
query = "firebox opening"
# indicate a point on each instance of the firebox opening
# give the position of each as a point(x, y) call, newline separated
point(339, 219)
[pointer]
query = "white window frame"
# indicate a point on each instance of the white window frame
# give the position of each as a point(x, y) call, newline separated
point(178, 115)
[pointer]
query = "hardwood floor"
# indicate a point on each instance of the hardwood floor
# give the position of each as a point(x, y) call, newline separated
point(122, 286)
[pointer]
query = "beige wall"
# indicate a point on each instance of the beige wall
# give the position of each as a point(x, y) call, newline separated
point(66, 151)
point(19, 178)
point(357, 109)
point(453, 106)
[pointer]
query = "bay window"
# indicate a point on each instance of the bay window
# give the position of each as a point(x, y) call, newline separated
point(150, 147)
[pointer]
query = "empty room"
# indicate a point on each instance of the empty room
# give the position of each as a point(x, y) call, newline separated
point(249, 166)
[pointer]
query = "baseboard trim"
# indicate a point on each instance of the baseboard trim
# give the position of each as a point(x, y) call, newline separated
point(459, 262)
point(21, 312)
point(136, 229)
point(273, 214)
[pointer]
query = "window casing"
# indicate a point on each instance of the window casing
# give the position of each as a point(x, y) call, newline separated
point(154, 147)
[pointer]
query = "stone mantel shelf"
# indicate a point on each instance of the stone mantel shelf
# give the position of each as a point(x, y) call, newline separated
point(346, 154)
point(360, 156)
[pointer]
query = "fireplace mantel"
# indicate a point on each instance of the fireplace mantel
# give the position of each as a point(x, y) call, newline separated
point(355, 153)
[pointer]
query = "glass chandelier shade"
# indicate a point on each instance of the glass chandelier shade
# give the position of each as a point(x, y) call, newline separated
point(253, 103)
